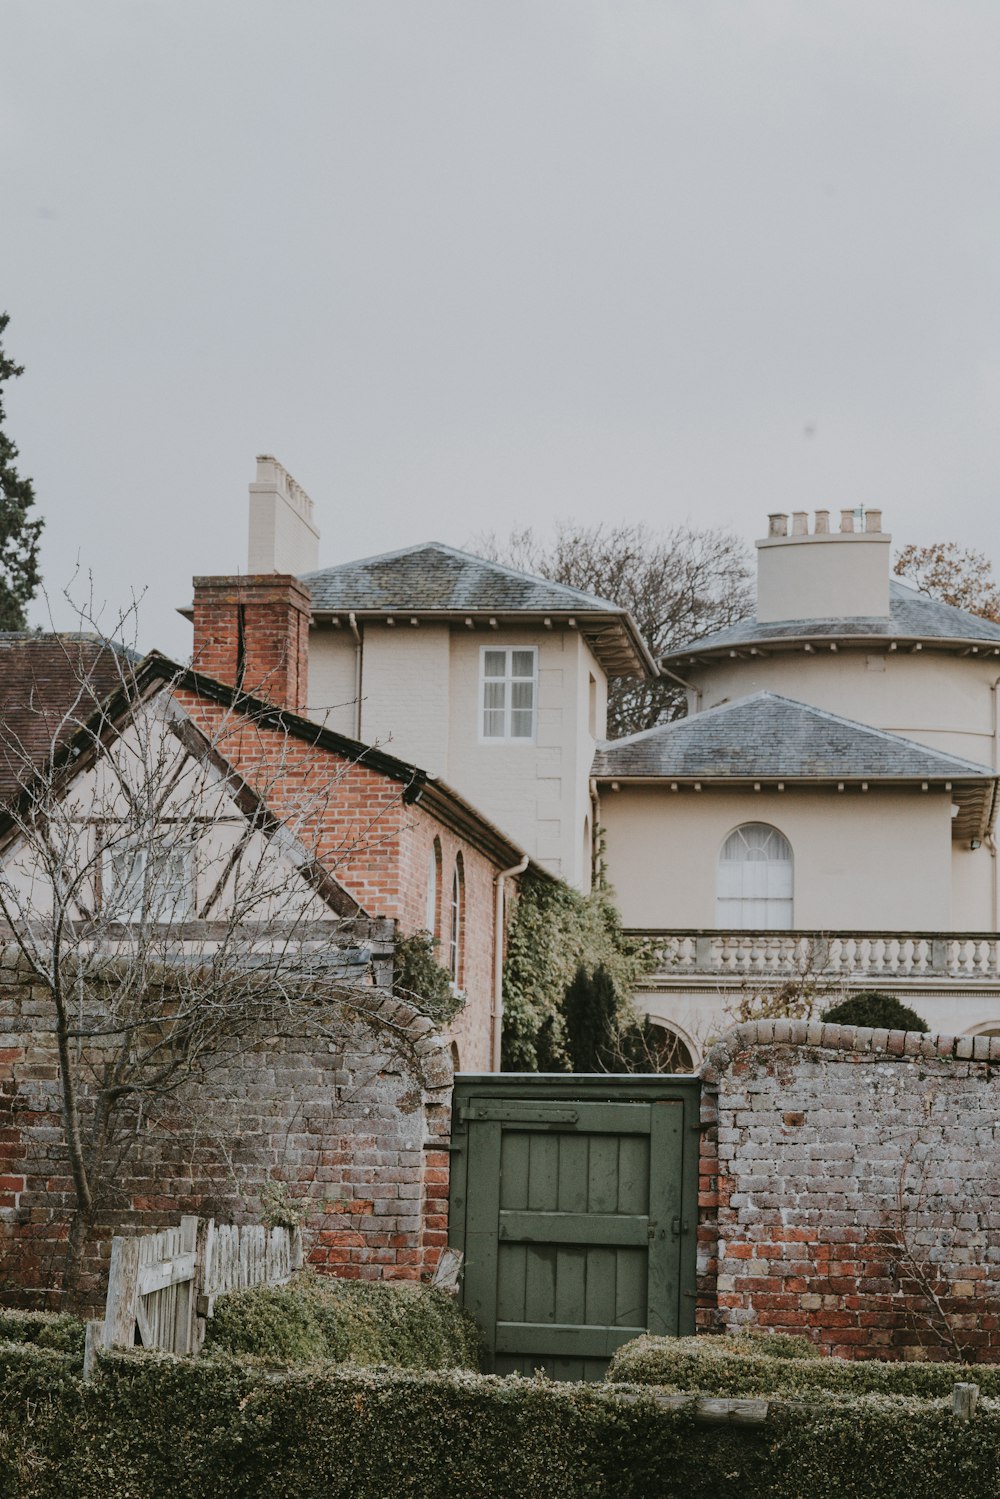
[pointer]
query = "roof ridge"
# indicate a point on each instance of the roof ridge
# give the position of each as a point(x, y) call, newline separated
point(452, 551)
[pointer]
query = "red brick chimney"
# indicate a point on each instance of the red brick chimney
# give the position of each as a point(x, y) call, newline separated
point(253, 633)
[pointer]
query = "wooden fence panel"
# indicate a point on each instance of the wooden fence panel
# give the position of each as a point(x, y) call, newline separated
point(163, 1285)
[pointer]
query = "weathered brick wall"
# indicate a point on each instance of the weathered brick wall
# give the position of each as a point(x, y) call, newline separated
point(472, 1028)
point(352, 1118)
point(850, 1189)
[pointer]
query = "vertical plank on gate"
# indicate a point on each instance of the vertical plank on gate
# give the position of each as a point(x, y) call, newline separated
point(295, 1260)
point(184, 1310)
point(123, 1283)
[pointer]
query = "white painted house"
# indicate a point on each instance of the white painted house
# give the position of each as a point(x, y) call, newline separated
point(827, 804)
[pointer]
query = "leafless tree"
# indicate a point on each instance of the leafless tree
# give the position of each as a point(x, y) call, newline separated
point(678, 584)
point(159, 905)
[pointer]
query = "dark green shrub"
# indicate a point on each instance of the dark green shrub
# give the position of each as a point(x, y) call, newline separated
point(880, 1011)
point(317, 1317)
point(419, 979)
point(56, 1330)
point(151, 1426)
point(738, 1366)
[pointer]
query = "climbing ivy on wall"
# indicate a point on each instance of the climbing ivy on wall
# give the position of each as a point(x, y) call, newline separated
point(554, 934)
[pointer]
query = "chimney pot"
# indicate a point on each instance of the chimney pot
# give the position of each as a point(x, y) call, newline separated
point(800, 523)
point(777, 524)
point(873, 520)
point(822, 522)
point(847, 521)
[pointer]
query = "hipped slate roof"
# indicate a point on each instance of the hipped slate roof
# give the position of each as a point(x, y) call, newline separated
point(770, 738)
point(912, 617)
point(438, 581)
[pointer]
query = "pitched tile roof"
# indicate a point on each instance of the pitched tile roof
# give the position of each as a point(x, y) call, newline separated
point(912, 616)
point(776, 738)
point(434, 579)
point(50, 685)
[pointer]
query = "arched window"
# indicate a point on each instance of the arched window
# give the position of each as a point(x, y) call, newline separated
point(755, 879)
point(433, 888)
point(456, 924)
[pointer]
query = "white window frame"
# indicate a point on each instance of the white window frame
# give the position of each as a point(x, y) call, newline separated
point(456, 921)
point(176, 904)
point(508, 680)
point(756, 894)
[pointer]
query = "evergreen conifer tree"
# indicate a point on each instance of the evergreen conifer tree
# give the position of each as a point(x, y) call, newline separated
point(19, 576)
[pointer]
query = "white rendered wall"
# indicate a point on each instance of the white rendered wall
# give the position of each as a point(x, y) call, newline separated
point(405, 693)
point(879, 861)
point(332, 665)
point(832, 576)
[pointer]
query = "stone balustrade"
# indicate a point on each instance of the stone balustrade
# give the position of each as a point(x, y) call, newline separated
point(875, 956)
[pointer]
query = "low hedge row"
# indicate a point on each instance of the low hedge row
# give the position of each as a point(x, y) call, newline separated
point(315, 1318)
point(746, 1366)
point(55, 1330)
point(150, 1425)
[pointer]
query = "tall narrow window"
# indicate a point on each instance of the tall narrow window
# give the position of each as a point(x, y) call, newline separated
point(433, 887)
point(509, 689)
point(456, 923)
point(755, 879)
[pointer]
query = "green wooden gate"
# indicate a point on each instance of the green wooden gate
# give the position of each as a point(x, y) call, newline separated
point(574, 1201)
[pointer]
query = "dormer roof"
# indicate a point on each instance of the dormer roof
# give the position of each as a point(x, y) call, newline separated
point(913, 619)
point(436, 582)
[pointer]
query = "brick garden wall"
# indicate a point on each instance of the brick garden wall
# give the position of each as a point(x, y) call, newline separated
point(353, 1121)
point(850, 1189)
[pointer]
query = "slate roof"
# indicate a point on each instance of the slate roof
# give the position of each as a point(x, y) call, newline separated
point(50, 685)
point(912, 616)
point(776, 738)
point(438, 580)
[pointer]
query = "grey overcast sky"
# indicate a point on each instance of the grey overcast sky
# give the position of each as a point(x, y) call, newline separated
point(470, 264)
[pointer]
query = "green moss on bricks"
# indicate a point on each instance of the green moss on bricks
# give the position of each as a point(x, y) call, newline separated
point(316, 1318)
point(767, 1365)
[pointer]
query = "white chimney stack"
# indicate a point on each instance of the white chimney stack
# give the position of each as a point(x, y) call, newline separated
point(283, 538)
point(823, 574)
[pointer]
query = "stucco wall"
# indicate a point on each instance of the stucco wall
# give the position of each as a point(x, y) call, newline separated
point(850, 1190)
point(420, 700)
point(332, 664)
point(880, 860)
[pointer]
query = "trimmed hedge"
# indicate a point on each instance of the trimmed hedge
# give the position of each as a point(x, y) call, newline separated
point(746, 1366)
point(151, 1425)
point(316, 1318)
point(57, 1330)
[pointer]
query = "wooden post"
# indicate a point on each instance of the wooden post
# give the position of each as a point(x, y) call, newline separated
point(93, 1342)
point(123, 1289)
point(296, 1250)
point(184, 1312)
point(964, 1399)
point(199, 1299)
